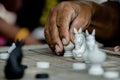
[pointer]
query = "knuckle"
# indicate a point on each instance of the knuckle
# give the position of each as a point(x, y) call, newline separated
point(59, 25)
point(61, 22)
point(53, 9)
point(46, 33)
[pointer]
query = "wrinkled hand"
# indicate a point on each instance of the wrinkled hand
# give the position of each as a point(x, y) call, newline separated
point(61, 21)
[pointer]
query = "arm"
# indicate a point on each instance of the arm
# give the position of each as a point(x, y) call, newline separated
point(106, 22)
point(11, 31)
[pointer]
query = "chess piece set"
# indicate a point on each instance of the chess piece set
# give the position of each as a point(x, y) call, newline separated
point(84, 44)
point(86, 50)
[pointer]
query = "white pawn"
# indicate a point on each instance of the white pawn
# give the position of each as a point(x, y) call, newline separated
point(111, 74)
point(5, 56)
point(96, 57)
point(68, 50)
point(12, 47)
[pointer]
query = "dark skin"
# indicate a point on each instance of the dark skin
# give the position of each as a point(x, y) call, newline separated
point(82, 14)
point(10, 30)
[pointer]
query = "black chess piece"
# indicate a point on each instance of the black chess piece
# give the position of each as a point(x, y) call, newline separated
point(14, 69)
point(42, 76)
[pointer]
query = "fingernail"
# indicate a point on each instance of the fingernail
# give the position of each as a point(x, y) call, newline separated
point(117, 49)
point(57, 48)
point(64, 41)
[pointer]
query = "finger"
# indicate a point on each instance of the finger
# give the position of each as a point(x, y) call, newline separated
point(47, 37)
point(49, 23)
point(47, 33)
point(55, 39)
point(52, 33)
point(63, 22)
point(117, 48)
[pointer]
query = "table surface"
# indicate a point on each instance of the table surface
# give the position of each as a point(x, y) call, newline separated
point(60, 67)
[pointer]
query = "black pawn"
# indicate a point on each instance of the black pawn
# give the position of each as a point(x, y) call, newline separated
point(42, 76)
point(14, 69)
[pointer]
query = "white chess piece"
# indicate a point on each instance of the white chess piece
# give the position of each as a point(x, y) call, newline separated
point(96, 57)
point(68, 50)
point(80, 45)
point(12, 47)
point(5, 56)
point(112, 74)
point(79, 66)
point(43, 65)
point(90, 39)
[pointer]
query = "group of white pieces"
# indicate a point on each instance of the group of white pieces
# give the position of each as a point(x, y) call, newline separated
point(86, 50)
point(5, 55)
